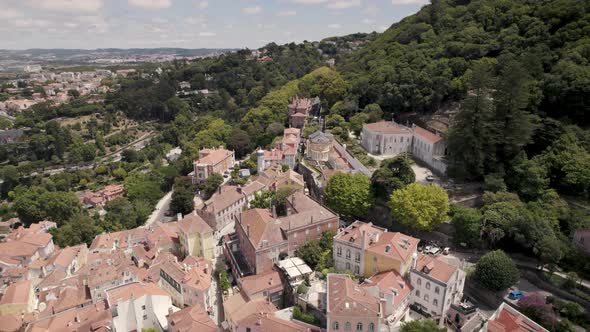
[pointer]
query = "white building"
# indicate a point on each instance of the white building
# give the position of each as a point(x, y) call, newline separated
point(137, 306)
point(436, 285)
point(390, 138)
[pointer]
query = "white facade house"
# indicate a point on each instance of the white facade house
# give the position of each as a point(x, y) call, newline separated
point(390, 138)
point(436, 285)
point(350, 245)
point(137, 306)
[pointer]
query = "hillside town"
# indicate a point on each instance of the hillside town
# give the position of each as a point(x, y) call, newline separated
point(295, 166)
point(234, 265)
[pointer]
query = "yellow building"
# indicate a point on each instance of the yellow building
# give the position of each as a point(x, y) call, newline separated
point(18, 298)
point(196, 237)
point(392, 251)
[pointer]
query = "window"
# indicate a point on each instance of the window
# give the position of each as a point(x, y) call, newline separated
point(144, 317)
point(426, 297)
point(348, 253)
point(357, 256)
point(359, 326)
point(417, 293)
point(338, 251)
point(347, 326)
point(143, 307)
point(427, 285)
point(419, 281)
point(436, 290)
point(435, 302)
point(336, 326)
point(295, 235)
point(374, 258)
point(306, 231)
point(248, 329)
point(357, 270)
point(371, 327)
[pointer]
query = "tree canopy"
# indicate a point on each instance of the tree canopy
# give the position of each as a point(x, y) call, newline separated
point(496, 271)
point(420, 206)
point(349, 194)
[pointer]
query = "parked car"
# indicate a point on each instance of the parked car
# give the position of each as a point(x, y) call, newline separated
point(430, 178)
point(446, 251)
point(515, 294)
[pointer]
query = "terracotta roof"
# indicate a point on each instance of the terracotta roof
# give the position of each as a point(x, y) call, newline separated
point(345, 297)
point(510, 320)
point(394, 245)
point(65, 257)
point(390, 281)
point(305, 212)
point(134, 289)
point(192, 318)
point(17, 293)
point(212, 156)
point(261, 226)
point(273, 154)
point(63, 298)
point(268, 322)
point(388, 127)
point(257, 283)
point(196, 275)
point(10, 323)
point(291, 131)
point(435, 267)
point(85, 319)
point(427, 135)
point(192, 223)
point(237, 308)
point(221, 201)
point(354, 232)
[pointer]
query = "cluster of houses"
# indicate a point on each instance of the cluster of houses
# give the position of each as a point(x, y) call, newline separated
point(56, 87)
point(163, 276)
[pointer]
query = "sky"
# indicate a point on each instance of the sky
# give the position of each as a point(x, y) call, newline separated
point(190, 23)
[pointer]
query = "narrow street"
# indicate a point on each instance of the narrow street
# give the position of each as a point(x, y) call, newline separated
point(159, 213)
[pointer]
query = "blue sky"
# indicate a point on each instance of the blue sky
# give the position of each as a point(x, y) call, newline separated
point(189, 23)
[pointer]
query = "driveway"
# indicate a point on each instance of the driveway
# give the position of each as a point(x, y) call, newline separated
point(159, 213)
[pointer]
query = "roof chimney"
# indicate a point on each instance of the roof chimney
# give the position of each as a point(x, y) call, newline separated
point(170, 311)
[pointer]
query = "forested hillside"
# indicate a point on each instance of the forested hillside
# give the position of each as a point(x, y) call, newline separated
point(426, 58)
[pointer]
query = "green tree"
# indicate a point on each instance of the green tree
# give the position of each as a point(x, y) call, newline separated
point(211, 184)
point(496, 271)
point(120, 215)
point(79, 229)
point(349, 194)
point(420, 206)
point(528, 177)
point(467, 225)
point(471, 138)
point(393, 173)
point(182, 201)
point(423, 325)
point(239, 141)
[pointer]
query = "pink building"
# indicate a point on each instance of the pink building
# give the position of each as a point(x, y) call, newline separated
point(212, 161)
point(299, 109)
point(262, 237)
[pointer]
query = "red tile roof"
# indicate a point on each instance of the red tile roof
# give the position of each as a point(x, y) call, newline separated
point(193, 223)
point(390, 281)
point(345, 297)
point(435, 267)
point(388, 127)
point(510, 320)
point(212, 156)
point(192, 318)
point(427, 135)
point(17, 293)
point(395, 245)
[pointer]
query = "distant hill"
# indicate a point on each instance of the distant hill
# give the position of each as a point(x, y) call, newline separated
point(425, 59)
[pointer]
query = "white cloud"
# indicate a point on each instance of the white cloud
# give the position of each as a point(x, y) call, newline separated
point(151, 4)
point(202, 4)
point(286, 13)
point(334, 26)
point(8, 13)
point(368, 21)
point(410, 2)
point(343, 4)
point(309, 2)
point(371, 10)
point(207, 34)
point(66, 5)
point(252, 10)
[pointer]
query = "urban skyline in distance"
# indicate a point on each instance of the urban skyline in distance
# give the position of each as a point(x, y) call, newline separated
point(92, 24)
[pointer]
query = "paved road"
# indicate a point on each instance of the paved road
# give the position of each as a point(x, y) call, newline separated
point(159, 212)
